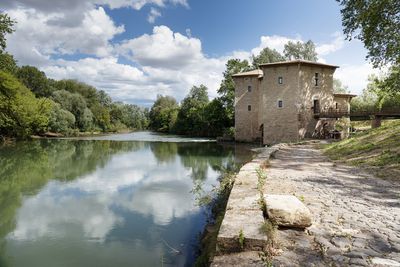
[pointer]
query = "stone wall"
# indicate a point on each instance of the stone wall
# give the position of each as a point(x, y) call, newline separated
point(309, 92)
point(280, 123)
point(247, 127)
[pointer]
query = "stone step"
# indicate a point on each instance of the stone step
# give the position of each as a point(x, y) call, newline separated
point(236, 221)
point(242, 259)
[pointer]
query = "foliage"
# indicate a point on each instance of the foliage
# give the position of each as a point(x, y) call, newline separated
point(8, 63)
point(391, 82)
point(163, 114)
point(191, 116)
point(61, 120)
point(21, 114)
point(376, 24)
point(35, 80)
point(6, 27)
point(227, 87)
point(241, 239)
point(267, 55)
point(299, 50)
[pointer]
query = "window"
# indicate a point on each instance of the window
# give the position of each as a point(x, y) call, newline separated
point(280, 80)
point(316, 79)
point(280, 104)
point(249, 107)
point(249, 88)
point(336, 105)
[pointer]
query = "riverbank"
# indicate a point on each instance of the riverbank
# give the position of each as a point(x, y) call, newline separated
point(356, 215)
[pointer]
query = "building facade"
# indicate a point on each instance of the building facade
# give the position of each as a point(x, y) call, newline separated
point(280, 101)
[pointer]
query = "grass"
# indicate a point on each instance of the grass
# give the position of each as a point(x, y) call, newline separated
point(376, 149)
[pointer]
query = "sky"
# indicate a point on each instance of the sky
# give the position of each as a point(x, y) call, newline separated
point(137, 49)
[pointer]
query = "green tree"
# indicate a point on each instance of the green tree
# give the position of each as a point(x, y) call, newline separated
point(377, 24)
point(191, 118)
point(227, 87)
point(8, 63)
point(299, 50)
point(267, 55)
point(6, 27)
point(339, 87)
point(76, 104)
point(21, 114)
point(61, 120)
point(163, 114)
point(35, 80)
point(216, 118)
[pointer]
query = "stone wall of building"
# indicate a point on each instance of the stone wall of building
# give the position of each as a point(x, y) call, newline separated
point(247, 127)
point(309, 92)
point(280, 123)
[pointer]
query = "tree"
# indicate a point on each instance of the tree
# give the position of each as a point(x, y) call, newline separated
point(6, 27)
point(191, 116)
point(377, 24)
point(163, 114)
point(76, 104)
point(35, 80)
point(61, 120)
point(8, 63)
point(227, 87)
point(21, 114)
point(216, 118)
point(267, 55)
point(339, 87)
point(299, 50)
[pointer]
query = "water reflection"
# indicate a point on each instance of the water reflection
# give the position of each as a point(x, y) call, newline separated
point(103, 203)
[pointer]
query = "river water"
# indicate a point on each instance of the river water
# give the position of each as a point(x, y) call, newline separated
point(117, 200)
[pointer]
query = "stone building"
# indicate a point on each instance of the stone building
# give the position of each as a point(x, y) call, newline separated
point(281, 102)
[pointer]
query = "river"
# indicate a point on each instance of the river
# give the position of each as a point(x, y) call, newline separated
point(116, 200)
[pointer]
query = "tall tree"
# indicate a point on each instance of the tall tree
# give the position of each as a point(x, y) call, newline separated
point(8, 63)
point(191, 115)
point(6, 27)
point(163, 114)
point(299, 50)
point(21, 114)
point(267, 55)
point(377, 24)
point(227, 87)
point(35, 80)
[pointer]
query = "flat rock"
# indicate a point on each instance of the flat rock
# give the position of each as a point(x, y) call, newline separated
point(288, 211)
point(245, 259)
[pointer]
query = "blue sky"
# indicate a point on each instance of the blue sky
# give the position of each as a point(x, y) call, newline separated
point(136, 49)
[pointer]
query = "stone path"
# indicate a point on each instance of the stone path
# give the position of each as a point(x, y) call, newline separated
point(356, 215)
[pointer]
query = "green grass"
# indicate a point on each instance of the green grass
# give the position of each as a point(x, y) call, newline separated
point(379, 148)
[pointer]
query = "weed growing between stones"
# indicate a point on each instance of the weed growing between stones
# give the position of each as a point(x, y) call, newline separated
point(262, 177)
point(241, 239)
point(270, 229)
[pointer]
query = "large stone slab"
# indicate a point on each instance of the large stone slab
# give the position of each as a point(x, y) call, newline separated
point(287, 210)
point(249, 222)
point(243, 259)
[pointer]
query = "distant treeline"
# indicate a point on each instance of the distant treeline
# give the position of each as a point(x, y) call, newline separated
point(30, 103)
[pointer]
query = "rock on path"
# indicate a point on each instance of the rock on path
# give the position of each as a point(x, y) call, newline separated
point(356, 216)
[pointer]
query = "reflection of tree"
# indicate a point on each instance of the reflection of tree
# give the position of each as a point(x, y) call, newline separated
point(200, 156)
point(164, 151)
point(27, 166)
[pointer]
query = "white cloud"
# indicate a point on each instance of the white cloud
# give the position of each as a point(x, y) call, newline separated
point(163, 48)
point(355, 76)
point(335, 45)
point(35, 33)
point(154, 13)
point(273, 42)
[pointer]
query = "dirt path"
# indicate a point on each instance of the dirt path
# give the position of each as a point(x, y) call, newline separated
point(356, 215)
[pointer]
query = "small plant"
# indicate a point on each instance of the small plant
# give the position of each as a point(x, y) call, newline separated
point(241, 239)
point(262, 177)
point(266, 259)
point(301, 198)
